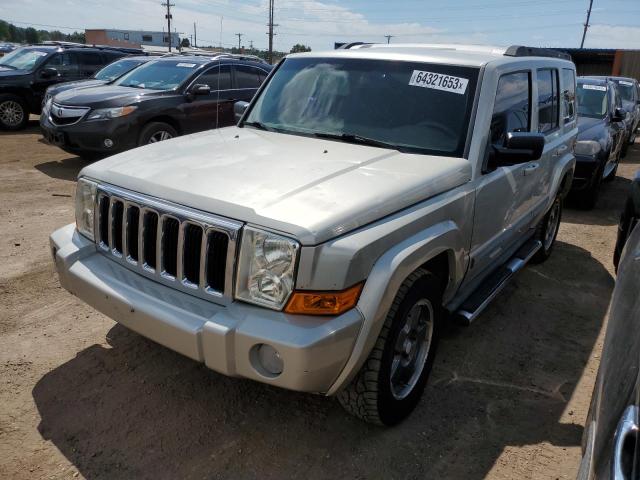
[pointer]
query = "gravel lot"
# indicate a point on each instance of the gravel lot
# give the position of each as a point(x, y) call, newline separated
point(81, 396)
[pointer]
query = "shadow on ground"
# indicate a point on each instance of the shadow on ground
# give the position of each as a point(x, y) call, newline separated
point(33, 126)
point(134, 409)
point(65, 169)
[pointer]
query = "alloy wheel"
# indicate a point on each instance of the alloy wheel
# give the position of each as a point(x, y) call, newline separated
point(159, 136)
point(11, 113)
point(553, 223)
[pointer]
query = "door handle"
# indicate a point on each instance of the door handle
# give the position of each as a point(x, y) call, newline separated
point(626, 427)
point(560, 151)
point(529, 169)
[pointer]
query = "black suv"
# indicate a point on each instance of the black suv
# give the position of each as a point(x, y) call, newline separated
point(159, 100)
point(27, 72)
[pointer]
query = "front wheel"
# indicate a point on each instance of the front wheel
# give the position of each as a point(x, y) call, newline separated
point(156, 132)
point(14, 114)
point(547, 231)
point(390, 383)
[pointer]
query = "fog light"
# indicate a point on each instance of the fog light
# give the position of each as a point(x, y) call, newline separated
point(108, 142)
point(267, 360)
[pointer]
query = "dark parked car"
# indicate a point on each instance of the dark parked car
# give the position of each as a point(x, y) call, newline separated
point(162, 99)
point(629, 90)
point(601, 134)
point(629, 217)
point(27, 72)
point(105, 75)
point(610, 445)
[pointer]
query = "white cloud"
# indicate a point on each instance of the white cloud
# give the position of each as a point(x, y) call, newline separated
point(612, 36)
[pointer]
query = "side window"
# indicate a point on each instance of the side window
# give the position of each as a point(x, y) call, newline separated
point(569, 94)
point(262, 75)
point(66, 63)
point(512, 108)
point(90, 60)
point(217, 78)
point(547, 100)
point(247, 77)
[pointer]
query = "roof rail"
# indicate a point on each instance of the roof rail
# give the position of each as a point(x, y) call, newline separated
point(521, 51)
point(254, 58)
point(63, 44)
point(350, 45)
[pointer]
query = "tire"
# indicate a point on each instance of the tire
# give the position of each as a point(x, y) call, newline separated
point(14, 113)
point(547, 231)
point(589, 198)
point(156, 132)
point(372, 395)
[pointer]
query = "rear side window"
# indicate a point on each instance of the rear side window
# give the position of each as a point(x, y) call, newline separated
point(569, 94)
point(248, 77)
point(547, 100)
point(90, 59)
point(218, 78)
point(512, 108)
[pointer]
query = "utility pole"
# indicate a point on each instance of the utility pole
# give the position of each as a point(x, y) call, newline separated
point(239, 35)
point(251, 45)
point(270, 33)
point(168, 4)
point(388, 37)
point(586, 25)
point(195, 37)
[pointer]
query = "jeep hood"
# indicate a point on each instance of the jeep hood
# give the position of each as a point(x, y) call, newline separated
point(312, 189)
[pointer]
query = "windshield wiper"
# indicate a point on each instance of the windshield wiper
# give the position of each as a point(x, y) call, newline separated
point(258, 125)
point(353, 138)
point(3, 65)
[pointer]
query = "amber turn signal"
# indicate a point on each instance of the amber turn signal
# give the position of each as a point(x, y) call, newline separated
point(323, 303)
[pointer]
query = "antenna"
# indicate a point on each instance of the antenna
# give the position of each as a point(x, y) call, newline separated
point(389, 37)
point(168, 16)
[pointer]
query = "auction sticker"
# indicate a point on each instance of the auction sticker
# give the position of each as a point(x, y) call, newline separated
point(186, 65)
point(438, 81)
point(624, 82)
point(586, 86)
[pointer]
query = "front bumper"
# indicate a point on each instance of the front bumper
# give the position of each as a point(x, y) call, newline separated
point(585, 173)
point(89, 137)
point(314, 350)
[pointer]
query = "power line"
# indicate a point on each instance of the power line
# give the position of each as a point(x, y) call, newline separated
point(168, 4)
point(586, 24)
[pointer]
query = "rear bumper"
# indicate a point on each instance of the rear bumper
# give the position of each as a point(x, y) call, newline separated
point(90, 136)
point(314, 350)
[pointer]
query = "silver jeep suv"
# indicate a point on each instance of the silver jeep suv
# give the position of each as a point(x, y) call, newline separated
point(366, 195)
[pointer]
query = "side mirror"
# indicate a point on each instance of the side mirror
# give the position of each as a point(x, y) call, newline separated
point(238, 109)
point(48, 72)
point(200, 89)
point(519, 147)
point(619, 114)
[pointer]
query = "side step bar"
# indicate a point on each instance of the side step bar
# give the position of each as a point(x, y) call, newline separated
point(475, 304)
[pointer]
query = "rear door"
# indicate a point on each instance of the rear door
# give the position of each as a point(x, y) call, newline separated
point(89, 63)
point(247, 79)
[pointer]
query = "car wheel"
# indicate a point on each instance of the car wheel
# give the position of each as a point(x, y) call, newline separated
point(547, 231)
point(625, 147)
point(14, 114)
point(589, 198)
point(390, 383)
point(156, 132)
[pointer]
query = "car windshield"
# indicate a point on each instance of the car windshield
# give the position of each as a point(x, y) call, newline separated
point(592, 100)
point(409, 106)
point(23, 58)
point(159, 75)
point(625, 88)
point(117, 69)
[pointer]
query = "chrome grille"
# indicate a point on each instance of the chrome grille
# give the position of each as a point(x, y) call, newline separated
point(174, 245)
point(62, 115)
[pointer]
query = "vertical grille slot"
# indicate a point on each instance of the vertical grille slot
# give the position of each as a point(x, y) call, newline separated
point(217, 246)
point(149, 235)
point(192, 249)
point(133, 220)
point(117, 211)
point(103, 225)
point(170, 231)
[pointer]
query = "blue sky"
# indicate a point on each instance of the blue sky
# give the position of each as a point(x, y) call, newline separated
point(319, 23)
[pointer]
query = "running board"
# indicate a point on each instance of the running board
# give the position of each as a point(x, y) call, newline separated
point(475, 304)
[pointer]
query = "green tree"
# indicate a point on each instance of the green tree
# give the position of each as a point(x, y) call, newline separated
point(185, 43)
point(31, 35)
point(4, 30)
point(298, 47)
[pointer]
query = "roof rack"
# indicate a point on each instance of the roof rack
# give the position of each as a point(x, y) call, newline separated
point(237, 56)
point(521, 51)
point(63, 44)
point(350, 45)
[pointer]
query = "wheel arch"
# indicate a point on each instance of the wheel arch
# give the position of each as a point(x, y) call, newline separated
point(439, 249)
point(169, 120)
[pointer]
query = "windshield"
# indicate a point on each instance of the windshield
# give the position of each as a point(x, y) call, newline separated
point(625, 88)
point(592, 100)
point(418, 107)
point(159, 75)
point(23, 58)
point(117, 69)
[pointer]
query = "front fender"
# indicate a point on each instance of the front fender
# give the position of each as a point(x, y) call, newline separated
point(386, 277)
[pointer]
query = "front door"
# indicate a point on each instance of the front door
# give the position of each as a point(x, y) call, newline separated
point(504, 198)
point(204, 112)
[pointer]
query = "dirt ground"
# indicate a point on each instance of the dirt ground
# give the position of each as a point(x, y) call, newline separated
point(81, 396)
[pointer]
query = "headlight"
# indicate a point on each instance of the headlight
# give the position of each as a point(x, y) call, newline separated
point(587, 147)
point(47, 104)
point(108, 113)
point(85, 207)
point(266, 268)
